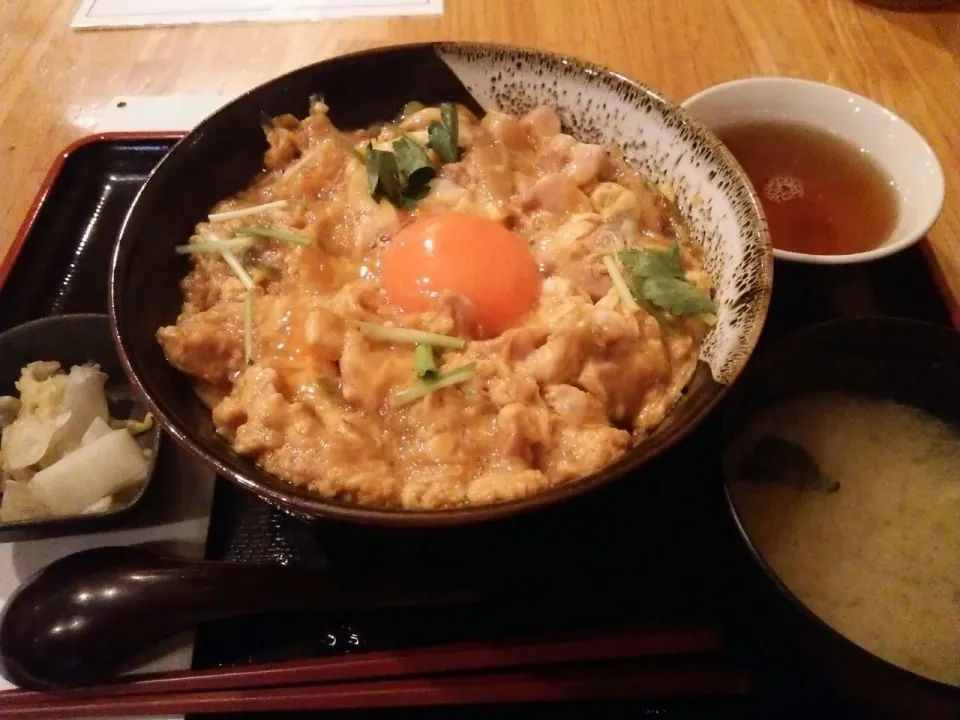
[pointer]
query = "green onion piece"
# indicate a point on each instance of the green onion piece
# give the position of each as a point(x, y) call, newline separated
point(425, 387)
point(275, 234)
point(238, 269)
point(619, 284)
point(205, 246)
point(248, 328)
point(708, 319)
point(424, 364)
point(412, 337)
point(244, 212)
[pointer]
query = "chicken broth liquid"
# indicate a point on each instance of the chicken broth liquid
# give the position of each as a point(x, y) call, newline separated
point(821, 195)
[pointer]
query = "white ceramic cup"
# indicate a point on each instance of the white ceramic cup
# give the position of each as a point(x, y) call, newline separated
point(893, 144)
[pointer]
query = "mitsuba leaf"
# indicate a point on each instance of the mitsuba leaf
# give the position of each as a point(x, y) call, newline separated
point(444, 135)
point(653, 263)
point(416, 170)
point(657, 278)
point(677, 297)
point(383, 176)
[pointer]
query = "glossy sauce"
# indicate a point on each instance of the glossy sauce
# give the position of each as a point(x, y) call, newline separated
point(821, 195)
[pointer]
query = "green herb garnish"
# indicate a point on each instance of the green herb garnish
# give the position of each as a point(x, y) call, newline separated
point(657, 278)
point(383, 176)
point(389, 333)
point(416, 169)
point(424, 364)
point(242, 275)
point(402, 176)
point(676, 296)
point(244, 212)
point(275, 234)
point(444, 134)
point(425, 387)
point(650, 263)
point(620, 284)
point(206, 246)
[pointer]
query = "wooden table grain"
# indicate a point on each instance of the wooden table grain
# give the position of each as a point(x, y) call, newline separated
point(55, 82)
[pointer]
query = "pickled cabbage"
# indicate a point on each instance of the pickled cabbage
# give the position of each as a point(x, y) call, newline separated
point(90, 473)
point(59, 451)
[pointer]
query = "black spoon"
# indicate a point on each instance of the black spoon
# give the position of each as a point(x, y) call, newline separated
point(90, 615)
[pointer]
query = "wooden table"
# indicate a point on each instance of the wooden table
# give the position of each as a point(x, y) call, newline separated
point(54, 82)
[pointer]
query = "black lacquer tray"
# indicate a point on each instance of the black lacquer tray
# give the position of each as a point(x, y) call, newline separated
point(652, 548)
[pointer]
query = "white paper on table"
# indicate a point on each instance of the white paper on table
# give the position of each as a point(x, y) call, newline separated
point(178, 517)
point(94, 14)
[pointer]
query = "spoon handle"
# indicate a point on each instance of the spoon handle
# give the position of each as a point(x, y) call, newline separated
point(91, 614)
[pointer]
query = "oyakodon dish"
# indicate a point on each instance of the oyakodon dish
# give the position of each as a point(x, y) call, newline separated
point(439, 311)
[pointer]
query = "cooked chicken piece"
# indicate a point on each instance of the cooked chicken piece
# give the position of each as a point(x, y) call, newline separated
point(578, 452)
point(207, 344)
point(506, 129)
point(523, 430)
point(516, 343)
point(421, 119)
point(370, 370)
point(491, 175)
point(284, 146)
point(560, 359)
point(560, 144)
point(542, 123)
point(256, 412)
point(585, 163)
point(573, 406)
point(322, 169)
point(555, 154)
point(462, 311)
point(297, 327)
point(435, 487)
point(557, 193)
point(612, 200)
point(366, 222)
point(504, 484)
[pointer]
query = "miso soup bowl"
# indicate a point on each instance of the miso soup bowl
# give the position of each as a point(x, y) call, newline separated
point(894, 145)
point(910, 362)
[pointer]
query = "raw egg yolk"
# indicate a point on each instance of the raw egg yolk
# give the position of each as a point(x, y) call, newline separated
point(469, 255)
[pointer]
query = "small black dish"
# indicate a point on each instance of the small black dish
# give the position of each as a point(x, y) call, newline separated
point(73, 340)
point(910, 362)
